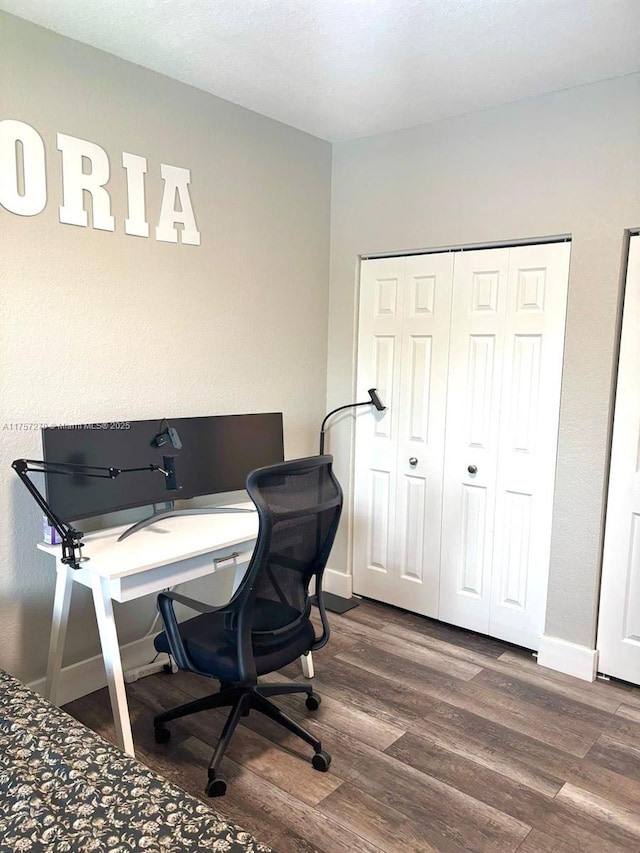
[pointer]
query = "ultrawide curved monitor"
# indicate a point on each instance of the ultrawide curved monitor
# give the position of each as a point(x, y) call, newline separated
point(216, 455)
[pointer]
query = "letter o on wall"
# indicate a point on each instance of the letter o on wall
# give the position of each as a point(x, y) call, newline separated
point(34, 198)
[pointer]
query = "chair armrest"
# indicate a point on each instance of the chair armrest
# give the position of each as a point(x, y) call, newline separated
point(172, 630)
point(192, 603)
point(323, 639)
point(246, 660)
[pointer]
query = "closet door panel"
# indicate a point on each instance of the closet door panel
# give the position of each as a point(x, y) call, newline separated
point(375, 493)
point(416, 415)
point(423, 393)
point(528, 435)
point(472, 425)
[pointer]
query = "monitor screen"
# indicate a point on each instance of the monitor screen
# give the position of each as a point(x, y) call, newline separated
point(217, 454)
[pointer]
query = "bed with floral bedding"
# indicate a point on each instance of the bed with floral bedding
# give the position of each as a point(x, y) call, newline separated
point(64, 789)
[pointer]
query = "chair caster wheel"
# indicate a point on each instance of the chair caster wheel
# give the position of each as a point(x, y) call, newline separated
point(162, 735)
point(321, 761)
point(216, 787)
point(313, 701)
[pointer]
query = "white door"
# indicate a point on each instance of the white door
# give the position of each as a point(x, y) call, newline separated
point(403, 350)
point(473, 419)
point(454, 484)
point(507, 340)
point(619, 619)
point(528, 440)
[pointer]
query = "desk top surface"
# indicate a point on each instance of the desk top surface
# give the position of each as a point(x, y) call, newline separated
point(166, 541)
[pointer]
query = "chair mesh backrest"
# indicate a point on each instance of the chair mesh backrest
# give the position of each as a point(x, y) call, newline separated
point(299, 505)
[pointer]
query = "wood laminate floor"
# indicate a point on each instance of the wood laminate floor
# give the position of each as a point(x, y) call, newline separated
point(442, 740)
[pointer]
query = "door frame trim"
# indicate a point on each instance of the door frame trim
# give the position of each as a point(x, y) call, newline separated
point(468, 247)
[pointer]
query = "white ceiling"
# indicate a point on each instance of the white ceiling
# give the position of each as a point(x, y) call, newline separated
point(341, 69)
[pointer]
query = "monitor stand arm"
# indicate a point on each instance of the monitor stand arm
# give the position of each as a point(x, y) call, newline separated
point(170, 513)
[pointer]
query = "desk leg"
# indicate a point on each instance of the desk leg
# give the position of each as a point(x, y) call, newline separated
point(61, 604)
point(307, 665)
point(112, 662)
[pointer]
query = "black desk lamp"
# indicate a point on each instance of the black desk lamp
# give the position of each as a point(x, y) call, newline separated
point(72, 538)
point(374, 401)
point(335, 603)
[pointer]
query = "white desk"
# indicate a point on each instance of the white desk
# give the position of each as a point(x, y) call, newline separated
point(165, 554)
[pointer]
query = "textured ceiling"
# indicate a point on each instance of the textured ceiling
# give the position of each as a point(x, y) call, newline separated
point(341, 69)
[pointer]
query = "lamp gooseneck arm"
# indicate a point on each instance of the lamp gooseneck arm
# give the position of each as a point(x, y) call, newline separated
point(333, 412)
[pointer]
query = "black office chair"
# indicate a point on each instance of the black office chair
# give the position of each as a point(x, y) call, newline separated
point(267, 623)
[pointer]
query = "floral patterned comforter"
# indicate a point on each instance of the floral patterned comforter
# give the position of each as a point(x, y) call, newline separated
point(64, 789)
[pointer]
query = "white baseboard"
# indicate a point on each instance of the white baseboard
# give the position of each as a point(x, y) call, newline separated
point(570, 658)
point(337, 583)
point(86, 676)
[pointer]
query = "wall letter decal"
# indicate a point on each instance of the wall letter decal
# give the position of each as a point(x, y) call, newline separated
point(136, 168)
point(31, 158)
point(75, 153)
point(176, 181)
point(85, 170)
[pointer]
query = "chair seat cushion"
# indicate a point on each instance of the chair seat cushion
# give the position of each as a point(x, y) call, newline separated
point(213, 649)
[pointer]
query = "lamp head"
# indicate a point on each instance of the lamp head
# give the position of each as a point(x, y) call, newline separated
point(375, 400)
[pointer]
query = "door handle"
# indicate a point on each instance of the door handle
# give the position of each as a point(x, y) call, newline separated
point(472, 469)
point(413, 461)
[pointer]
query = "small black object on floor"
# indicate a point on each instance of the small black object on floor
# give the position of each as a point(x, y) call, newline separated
point(335, 603)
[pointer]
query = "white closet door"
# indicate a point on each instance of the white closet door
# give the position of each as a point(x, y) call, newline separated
point(507, 343)
point(379, 345)
point(454, 483)
point(473, 413)
point(527, 440)
point(619, 619)
point(403, 351)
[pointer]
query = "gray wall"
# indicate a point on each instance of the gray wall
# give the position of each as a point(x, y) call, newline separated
point(97, 326)
point(567, 163)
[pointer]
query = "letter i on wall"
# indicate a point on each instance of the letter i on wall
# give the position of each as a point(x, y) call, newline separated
point(135, 168)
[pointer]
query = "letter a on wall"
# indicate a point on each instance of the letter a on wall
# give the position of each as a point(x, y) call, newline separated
point(176, 187)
